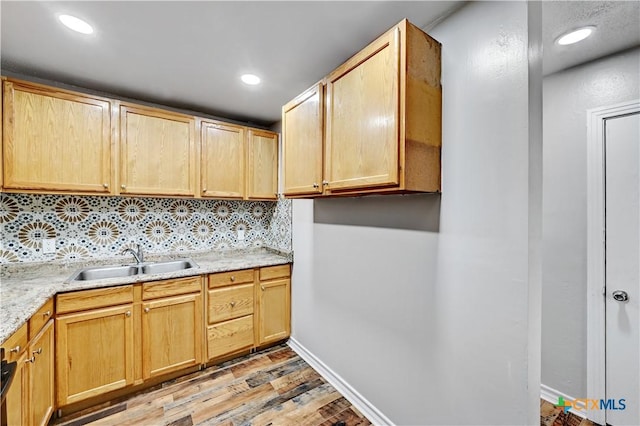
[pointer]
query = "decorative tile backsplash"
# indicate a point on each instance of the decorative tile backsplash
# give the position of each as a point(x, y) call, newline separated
point(97, 227)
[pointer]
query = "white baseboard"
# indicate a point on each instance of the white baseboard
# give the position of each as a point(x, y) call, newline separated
point(550, 394)
point(374, 415)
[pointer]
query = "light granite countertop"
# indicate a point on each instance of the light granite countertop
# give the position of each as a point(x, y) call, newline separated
point(25, 287)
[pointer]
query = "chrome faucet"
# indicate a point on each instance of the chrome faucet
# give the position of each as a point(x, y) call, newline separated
point(138, 256)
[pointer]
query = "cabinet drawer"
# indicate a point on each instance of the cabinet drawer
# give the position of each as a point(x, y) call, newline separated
point(229, 278)
point(40, 318)
point(97, 298)
point(16, 344)
point(230, 302)
point(229, 336)
point(156, 289)
point(272, 272)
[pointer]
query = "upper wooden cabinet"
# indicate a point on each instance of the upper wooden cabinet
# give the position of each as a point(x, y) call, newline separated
point(55, 140)
point(262, 164)
point(222, 160)
point(382, 122)
point(302, 123)
point(58, 141)
point(157, 152)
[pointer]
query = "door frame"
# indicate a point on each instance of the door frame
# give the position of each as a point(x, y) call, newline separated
point(596, 343)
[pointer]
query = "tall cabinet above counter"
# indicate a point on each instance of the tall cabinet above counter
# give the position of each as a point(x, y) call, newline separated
point(65, 142)
point(372, 126)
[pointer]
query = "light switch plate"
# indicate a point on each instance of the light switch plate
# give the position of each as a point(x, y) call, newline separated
point(49, 245)
point(240, 234)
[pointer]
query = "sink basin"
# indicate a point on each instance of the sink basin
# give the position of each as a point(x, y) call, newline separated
point(104, 272)
point(168, 266)
point(100, 273)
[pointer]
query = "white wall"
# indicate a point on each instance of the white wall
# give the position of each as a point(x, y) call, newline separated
point(567, 96)
point(428, 319)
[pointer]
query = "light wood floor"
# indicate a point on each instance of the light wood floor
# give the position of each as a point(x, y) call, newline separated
point(271, 387)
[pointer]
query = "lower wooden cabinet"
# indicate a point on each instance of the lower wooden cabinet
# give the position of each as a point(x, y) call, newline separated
point(230, 313)
point(17, 399)
point(95, 350)
point(111, 338)
point(171, 334)
point(107, 339)
point(41, 376)
point(274, 309)
point(30, 400)
point(227, 337)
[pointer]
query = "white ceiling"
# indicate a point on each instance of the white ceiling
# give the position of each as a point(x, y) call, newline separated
point(190, 54)
point(617, 28)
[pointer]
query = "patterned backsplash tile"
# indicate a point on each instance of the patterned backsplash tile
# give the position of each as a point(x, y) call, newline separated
point(97, 227)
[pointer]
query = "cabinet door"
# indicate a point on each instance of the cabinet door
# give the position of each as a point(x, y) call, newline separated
point(362, 146)
point(302, 143)
point(262, 165)
point(55, 141)
point(274, 307)
point(41, 376)
point(171, 334)
point(157, 152)
point(94, 353)
point(17, 399)
point(222, 160)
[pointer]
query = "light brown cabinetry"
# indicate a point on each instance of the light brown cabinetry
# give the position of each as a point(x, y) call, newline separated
point(111, 338)
point(59, 141)
point(171, 326)
point(230, 306)
point(157, 152)
point(273, 295)
point(262, 165)
point(101, 337)
point(30, 400)
point(41, 376)
point(222, 166)
point(55, 140)
point(302, 152)
point(382, 123)
point(17, 399)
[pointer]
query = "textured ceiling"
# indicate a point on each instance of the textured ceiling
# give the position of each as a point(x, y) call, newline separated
point(617, 28)
point(190, 54)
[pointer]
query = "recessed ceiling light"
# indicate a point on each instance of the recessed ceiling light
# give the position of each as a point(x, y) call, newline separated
point(250, 79)
point(76, 24)
point(575, 36)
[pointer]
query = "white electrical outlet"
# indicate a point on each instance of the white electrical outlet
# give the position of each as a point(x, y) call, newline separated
point(49, 245)
point(240, 234)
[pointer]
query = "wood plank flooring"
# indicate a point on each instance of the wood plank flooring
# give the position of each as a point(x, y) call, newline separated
point(271, 387)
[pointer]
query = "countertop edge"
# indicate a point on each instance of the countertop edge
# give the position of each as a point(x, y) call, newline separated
point(62, 285)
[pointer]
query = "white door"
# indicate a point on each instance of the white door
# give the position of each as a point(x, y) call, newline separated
point(622, 273)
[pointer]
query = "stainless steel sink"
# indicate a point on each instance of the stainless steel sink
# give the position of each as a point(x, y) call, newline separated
point(100, 273)
point(104, 272)
point(168, 266)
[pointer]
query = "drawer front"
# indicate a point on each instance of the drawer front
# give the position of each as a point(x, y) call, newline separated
point(271, 272)
point(229, 336)
point(230, 278)
point(156, 289)
point(97, 298)
point(16, 344)
point(230, 302)
point(40, 318)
